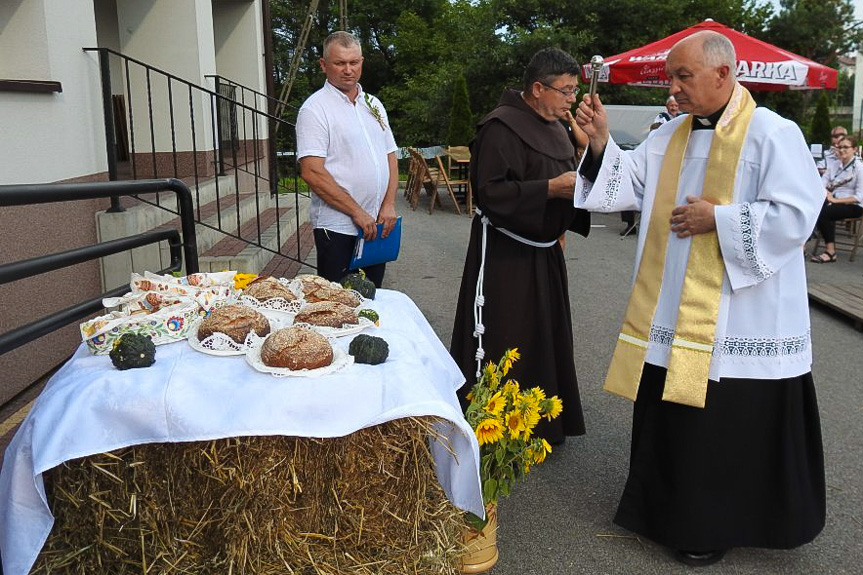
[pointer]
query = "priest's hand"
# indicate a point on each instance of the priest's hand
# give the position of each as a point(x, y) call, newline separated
point(563, 186)
point(591, 118)
point(696, 217)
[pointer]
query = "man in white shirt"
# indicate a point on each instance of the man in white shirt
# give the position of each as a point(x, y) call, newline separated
point(347, 157)
point(715, 347)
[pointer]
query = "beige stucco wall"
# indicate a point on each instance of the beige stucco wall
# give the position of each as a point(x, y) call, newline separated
point(23, 21)
point(47, 138)
point(31, 231)
point(60, 137)
point(858, 92)
point(176, 37)
point(51, 137)
point(239, 42)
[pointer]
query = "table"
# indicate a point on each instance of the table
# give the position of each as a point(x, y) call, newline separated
point(89, 407)
point(460, 156)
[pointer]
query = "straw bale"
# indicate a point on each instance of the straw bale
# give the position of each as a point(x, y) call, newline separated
point(367, 503)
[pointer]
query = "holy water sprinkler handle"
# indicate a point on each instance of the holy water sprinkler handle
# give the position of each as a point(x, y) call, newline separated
point(595, 68)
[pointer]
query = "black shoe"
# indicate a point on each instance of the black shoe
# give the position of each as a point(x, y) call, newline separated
point(629, 230)
point(699, 558)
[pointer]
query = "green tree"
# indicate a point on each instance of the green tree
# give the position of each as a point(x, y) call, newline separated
point(820, 30)
point(461, 120)
point(821, 125)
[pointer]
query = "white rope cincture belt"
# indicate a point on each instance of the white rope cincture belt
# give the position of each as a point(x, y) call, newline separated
point(479, 299)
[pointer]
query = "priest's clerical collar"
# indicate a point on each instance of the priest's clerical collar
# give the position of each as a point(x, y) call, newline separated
point(708, 123)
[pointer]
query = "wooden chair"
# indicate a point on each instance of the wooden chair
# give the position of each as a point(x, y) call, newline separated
point(415, 178)
point(430, 178)
point(847, 239)
point(441, 173)
point(458, 172)
point(412, 173)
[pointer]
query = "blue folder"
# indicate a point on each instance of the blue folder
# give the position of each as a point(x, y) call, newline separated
point(379, 250)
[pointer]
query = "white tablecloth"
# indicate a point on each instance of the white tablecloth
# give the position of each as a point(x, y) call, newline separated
point(90, 407)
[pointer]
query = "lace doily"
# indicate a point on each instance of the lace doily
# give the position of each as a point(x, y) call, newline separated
point(346, 329)
point(341, 360)
point(219, 343)
point(278, 305)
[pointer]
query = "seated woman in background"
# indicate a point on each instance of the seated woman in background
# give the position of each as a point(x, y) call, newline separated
point(843, 182)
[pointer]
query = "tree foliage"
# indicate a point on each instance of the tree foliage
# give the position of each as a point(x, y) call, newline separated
point(821, 125)
point(461, 120)
point(415, 50)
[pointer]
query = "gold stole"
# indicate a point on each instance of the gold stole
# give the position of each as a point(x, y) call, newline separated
point(692, 347)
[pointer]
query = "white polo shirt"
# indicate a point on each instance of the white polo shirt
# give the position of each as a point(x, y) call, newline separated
point(354, 147)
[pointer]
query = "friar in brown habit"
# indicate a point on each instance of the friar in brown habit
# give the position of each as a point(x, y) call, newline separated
point(514, 290)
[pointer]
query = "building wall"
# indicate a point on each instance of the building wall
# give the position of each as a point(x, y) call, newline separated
point(48, 138)
point(858, 94)
point(239, 43)
point(176, 37)
point(54, 136)
point(60, 136)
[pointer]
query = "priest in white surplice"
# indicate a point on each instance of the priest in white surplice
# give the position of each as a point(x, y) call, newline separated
point(715, 347)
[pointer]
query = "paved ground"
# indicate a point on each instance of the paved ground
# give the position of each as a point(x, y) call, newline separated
point(560, 519)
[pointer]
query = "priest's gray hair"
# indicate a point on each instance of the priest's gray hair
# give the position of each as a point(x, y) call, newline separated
point(718, 50)
point(343, 39)
point(548, 64)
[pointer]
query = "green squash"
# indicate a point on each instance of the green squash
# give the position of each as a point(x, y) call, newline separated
point(369, 349)
point(133, 350)
point(369, 314)
point(357, 281)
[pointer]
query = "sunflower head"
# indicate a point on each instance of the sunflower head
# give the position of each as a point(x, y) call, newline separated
point(495, 404)
point(514, 423)
point(552, 407)
point(489, 431)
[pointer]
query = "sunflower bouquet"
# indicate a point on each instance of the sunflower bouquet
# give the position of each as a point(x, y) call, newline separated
point(504, 416)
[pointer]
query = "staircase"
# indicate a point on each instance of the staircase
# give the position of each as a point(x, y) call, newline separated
point(250, 215)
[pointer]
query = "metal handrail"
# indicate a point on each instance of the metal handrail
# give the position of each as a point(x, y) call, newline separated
point(26, 194)
point(187, 83)
point(230, 82)
point(29, 194)
point(35, 266)
point(237, 152)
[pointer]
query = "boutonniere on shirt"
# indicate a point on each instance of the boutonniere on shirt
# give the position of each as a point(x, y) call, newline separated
point(374, 110)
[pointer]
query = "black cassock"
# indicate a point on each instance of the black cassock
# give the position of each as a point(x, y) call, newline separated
point(526, 294)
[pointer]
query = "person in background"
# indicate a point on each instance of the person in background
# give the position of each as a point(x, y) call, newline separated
point(843, 184)
point(715, 348)
point(830, 156)
point(347, 156)
point(672, 110)
point(514, 289)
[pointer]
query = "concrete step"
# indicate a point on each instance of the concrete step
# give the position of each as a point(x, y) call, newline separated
point(235, 254)
point(204, 192)
point(282, 267)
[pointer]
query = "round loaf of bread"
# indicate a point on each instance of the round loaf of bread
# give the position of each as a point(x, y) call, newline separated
point(266, 287)
point(235, 321)
point(343, 296)
point(311, 283)
point(296, 348)
point(328, 314)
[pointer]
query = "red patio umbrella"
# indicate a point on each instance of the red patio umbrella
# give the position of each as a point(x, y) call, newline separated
point(760, 66)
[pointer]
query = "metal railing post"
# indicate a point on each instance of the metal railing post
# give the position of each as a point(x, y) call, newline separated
point(110, 136)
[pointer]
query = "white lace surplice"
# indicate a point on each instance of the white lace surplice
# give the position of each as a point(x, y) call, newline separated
point(762, 330)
